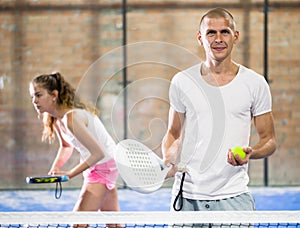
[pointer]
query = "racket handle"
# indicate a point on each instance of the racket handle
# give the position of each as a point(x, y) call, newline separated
point(160, 161)
point(46, 179)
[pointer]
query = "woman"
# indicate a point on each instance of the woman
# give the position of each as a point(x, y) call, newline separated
point(76, 125)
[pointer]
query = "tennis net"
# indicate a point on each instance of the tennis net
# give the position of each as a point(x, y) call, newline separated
point(262, 219)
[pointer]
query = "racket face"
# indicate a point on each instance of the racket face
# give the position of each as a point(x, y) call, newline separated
point(139, 167)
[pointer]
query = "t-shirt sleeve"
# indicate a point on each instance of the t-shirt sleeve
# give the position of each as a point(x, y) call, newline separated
point(262, 102)
point(175, 95)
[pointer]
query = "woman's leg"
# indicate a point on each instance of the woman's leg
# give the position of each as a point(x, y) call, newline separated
point(91, 197)
point(95, 197)
point(111, 203)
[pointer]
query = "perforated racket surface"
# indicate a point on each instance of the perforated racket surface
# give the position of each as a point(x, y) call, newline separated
point(140, 168)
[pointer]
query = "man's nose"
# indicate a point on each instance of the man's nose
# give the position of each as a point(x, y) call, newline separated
point(218, 37)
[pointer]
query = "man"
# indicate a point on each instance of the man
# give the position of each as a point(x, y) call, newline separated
point(212, 106)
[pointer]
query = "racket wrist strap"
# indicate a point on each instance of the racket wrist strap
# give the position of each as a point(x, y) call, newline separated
point(58, 190)
point(179, 196)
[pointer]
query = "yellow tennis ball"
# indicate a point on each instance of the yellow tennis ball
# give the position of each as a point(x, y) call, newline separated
point(238, 150)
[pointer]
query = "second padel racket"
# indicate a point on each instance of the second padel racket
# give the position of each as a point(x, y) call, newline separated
point(47, 180)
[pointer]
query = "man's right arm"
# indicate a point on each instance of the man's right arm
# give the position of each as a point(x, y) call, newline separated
point(172, 140)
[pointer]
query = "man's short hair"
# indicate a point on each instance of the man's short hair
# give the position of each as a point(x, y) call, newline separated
point(219, 13)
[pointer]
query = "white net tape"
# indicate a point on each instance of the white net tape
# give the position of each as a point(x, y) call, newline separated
point(220, 217)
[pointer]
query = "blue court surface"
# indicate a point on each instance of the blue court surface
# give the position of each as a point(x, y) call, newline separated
point(44, 200)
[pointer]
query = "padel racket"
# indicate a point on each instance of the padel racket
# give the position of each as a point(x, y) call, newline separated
point(47, 180)
point(141, 169)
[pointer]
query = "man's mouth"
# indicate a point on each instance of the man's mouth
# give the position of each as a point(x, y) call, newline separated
point(219, 48)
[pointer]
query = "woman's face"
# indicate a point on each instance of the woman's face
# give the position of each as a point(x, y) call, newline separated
point(41, 99)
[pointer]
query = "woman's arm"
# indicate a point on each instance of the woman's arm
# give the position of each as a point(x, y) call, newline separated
point(77, 124)
point(63, 154)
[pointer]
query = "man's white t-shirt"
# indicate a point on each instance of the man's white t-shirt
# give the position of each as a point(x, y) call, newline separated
point(216, 119)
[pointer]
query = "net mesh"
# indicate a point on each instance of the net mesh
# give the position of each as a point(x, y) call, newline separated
point(151, 219)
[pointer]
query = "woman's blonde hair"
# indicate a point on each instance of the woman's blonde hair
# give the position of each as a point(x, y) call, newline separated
point(66, 98)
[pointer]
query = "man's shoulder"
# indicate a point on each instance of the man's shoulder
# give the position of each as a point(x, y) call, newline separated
point(252, 79)
point(250, 72)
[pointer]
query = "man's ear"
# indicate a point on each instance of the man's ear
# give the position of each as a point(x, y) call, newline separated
point(236, 36)
point(199, 38)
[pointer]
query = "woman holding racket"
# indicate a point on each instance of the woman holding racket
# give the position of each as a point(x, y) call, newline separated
point(77, 125)
point(212, 107)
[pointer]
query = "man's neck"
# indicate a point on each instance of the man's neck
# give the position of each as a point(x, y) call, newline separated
point(219, 73)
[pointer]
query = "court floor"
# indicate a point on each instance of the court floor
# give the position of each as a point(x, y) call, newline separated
point(44, 200)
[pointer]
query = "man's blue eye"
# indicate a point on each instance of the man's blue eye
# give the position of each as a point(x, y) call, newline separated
point(225, 32)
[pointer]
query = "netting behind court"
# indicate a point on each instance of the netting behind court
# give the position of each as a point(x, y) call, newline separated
point(270, 219)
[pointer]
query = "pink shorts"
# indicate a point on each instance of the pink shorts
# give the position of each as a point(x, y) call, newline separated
point(105, 173)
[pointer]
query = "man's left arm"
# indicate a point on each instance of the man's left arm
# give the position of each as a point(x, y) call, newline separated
point(266, 145)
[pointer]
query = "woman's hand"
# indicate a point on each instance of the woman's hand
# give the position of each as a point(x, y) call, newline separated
point(57, 172)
